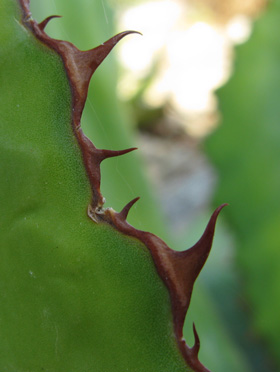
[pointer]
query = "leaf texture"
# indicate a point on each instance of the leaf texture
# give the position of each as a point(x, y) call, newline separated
point(81, 288)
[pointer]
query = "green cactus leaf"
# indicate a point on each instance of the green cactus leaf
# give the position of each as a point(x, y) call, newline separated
point(81, 289)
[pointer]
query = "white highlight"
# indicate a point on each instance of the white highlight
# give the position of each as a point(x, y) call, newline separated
point(192, 58)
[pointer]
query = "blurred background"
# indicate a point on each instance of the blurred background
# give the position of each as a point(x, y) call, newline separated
point(199, 94)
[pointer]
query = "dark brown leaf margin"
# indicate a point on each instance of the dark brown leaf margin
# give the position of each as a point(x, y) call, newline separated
point(178, 270)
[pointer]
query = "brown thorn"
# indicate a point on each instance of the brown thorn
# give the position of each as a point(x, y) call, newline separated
point(205, 242)
point(105, 154)
point(115, 39)
point(186, 266)
point(196, 346)
point(44, 23)
point(80, 66)
point(124, 212)
point(96, 55)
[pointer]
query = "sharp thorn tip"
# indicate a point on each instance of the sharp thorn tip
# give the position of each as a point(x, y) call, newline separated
point(196, 345)
point(124, 212)
point(44, 23)
point(218, 210)
point(105, 154)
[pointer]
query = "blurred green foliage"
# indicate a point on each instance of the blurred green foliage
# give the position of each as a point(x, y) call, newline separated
point(246, 152)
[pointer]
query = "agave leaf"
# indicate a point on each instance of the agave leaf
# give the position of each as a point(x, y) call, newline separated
point(81, 289)
point(105, 122)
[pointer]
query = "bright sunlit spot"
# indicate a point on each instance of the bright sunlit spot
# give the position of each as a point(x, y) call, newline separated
point(155, 21)
point(239, 29)
point(192, 58)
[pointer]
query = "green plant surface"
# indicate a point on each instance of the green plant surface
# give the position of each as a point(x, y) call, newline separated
point(56, 263)
point(248, 140)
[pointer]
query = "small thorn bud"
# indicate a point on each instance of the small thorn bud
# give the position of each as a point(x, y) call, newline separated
point(123, 214)
point(196, 345)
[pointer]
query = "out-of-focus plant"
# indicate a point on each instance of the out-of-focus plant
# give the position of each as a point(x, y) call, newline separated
point(246, 151)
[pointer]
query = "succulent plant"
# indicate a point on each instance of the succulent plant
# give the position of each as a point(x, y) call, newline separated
point(81, 289)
